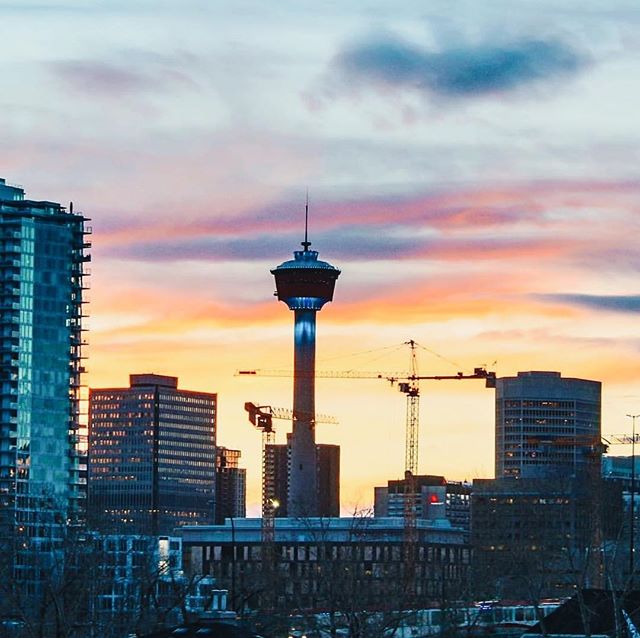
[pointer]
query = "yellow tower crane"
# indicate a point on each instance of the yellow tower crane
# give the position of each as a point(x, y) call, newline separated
point(262, 417)
point(409, 385)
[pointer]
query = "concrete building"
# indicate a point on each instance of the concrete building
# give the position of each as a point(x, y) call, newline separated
point(152, 457)
point(276, 485)
point(231, 485)
point(43, 252)
point(545, 425)
point(328, 479)
point(542, 535)
point(328, 563)
point(543, 522)
point(434, 498)
point(619, 470)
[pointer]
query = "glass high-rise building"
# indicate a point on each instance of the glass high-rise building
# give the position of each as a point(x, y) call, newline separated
point(152, 456)
point(43, 251)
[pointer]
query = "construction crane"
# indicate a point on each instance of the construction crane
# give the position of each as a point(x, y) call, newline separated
point(622, 439)
point(262, 417)
point(409, 385)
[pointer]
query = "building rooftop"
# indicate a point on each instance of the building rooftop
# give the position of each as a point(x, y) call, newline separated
point(337, 530)
point(305, 259)
point(153, 379)
point(11, 193)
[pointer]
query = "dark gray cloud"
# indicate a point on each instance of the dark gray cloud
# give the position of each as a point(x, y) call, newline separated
point(616, 303)
point(343, 244)
point(461, 71)
point(351, 243)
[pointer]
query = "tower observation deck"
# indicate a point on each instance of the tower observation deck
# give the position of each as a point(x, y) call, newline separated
point(305, 284)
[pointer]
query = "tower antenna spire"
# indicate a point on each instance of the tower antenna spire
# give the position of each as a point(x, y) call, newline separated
point(306, 243)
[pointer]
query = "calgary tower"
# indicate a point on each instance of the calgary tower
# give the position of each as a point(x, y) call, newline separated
point(305, 284)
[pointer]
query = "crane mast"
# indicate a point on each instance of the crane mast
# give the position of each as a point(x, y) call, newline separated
point(262, 417)
point(412, 428)
point(408, 384)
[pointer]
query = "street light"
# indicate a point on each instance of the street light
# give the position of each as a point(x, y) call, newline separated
point(632, 548)
point(233, 563)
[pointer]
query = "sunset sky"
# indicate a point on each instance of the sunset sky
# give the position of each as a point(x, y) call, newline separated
point(472, 169)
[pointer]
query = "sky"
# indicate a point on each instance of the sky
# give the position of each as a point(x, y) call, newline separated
point(472, 169)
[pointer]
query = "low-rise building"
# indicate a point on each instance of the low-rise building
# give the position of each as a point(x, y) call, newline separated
point(323, 563)
point(434, 498)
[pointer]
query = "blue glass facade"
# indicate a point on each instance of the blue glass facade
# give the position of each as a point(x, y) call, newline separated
point(43, 253)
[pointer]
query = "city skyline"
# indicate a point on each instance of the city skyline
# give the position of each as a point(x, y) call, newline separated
point(471, 170)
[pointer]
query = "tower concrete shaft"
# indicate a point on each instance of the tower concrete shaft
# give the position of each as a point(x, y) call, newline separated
point(303, 483)
point(305, 284)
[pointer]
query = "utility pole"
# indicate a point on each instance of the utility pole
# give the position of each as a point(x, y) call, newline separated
point(632, 548)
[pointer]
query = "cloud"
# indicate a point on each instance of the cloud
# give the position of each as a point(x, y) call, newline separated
point(457, 72)
point(101, 77)
point(353, 218)
point(113, 79)
point(388, 242)
point(615, 303)
point(345, 244)
point(546, 222)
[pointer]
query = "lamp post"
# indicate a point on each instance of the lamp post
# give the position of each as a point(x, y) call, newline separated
point(633, 418)
point(233, 564)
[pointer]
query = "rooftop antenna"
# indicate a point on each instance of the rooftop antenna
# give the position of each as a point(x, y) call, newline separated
point(306, 243)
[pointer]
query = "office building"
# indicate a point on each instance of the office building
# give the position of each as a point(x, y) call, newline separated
point(152, 458)
point(546, 425)
point(620, 470)
point(231, 485)
point(276, 487)
point(43, 252)
point(434, 498)
point(543, 521)
point(276, 478)
point(342, 564)
point(328, 479)
point(543, 535)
